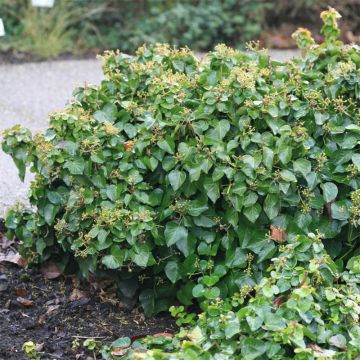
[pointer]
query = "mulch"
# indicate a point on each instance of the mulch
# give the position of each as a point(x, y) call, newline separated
point(55, 312)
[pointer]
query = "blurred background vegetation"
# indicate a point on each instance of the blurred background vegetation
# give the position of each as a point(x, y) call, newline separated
point(88, 26)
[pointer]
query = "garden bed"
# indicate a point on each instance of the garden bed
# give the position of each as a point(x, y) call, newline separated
point(55, 312)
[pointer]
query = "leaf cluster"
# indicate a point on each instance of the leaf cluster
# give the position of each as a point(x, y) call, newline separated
point(302, 309)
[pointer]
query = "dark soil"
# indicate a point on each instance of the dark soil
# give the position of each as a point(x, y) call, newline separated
point(56, 312)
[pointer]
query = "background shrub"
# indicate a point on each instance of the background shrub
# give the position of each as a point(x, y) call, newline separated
point(81, 25)
point(198, 24)
point(47, 32)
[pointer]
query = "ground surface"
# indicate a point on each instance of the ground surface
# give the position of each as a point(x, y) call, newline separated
point(30, 91)
point(56, 312)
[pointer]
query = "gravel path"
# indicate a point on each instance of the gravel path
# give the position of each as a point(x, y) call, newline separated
point(30, 91)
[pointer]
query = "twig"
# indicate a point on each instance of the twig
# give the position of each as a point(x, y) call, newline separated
point(89, 337)
point(304, 279)
point(39, 288)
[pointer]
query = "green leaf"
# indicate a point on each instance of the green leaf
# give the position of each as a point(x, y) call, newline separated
point(198, 290)
point(252, 212)
point(250, 199)
point(172, 271)
point(197, 207)
point(339, 210)
point(212, 293)
point(212, 189)
point(268, 157)
point(284, 154)
point(184, 294)
point(210, 280)
point(254, 322)
point(302, 166)
point(222, 128)
point(143, 258)
point(288, 176)
point(330, 191)
point(272, 205)
point(274, 322)
point(338, 340)
point(174, 233)
point(167, 145)
point(50, 212)
point(252, 349)
point(113, 192)
point(115, 259)
point(232, 326)
point(354, 265)
point(356, 160)
point(55, 197)
point(130, 130)
point(273, 111)
point(147, 300)
point(176, 179)
point(75, 167)
point(121, 342)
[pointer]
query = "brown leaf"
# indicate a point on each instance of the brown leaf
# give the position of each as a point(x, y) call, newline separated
point(164, 334)
point(43, 317)
point(22, 292)
point(24, 302)
point(279, 300)
point(50, 271)
point(316, 348)
point(120, 351)
point(136, 337)
point(128, 145)
point(51, 308)
point(77, 294)
point(328, 209)
point(14, 258)
point(277, 234)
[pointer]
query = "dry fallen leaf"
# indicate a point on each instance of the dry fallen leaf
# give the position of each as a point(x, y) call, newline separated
point(108, 297)
point(43, 317)
point(24, 302)
point(51, 308)
point(50, 271)
point(163, 334)
point(316, 348)
point(21, 292)
point(277, 234)
point(77, 294)
point(120, 351)
point(39, 347)
point(13, 258)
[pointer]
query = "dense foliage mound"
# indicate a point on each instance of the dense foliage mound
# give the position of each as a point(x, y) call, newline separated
point(183, 179)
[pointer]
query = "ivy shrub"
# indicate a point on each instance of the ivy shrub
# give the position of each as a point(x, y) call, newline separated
point(182, 178)
point(302, 309)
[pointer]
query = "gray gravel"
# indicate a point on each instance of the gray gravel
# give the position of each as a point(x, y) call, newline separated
point(29, 92)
